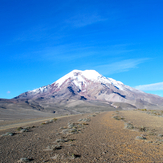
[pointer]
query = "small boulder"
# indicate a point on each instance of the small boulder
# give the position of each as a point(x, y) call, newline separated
point(24, 160)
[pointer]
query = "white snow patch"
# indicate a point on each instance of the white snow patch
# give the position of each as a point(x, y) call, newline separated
point(78, 84)
point(78, 77)
point(72, 74)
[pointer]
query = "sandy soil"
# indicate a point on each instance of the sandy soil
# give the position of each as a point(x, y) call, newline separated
point(103, 139)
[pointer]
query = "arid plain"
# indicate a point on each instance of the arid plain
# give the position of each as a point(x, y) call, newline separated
point(115, 136)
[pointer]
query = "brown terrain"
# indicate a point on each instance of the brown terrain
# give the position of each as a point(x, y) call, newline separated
point(115, 136)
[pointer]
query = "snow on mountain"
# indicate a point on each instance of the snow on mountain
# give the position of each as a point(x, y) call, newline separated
point(41, 89)
point(81, 77)
point(89, 85)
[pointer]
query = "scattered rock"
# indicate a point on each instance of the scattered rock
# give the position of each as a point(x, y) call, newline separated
point(117, 117)
point(143, 129)
point(8, 134)
point(54, 119)
point(129, 126)
point(72, 131)
point(48, 148)
point(151, 133)
point(149, 141)
point(47, 122)
point(60, 140)
point(143, 135)
point(65, 131)
point(140, 138)
point(75, 156)
point(53, 147)
point(57, 147)
point(55, 157)
point(24, 130)
point(160, 135)
point(24, 160)
point(57, 134)
point(84, 120)
point(80, 120)
point(62, 128)
point(85, 124)
point(19, 128)
point(79, 125)
point(72, 125)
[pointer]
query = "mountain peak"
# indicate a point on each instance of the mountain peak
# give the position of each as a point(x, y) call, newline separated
point(90, 74)
point(90, 85)
point(80, 76)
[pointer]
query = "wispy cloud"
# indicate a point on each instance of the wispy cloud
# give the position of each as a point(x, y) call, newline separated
point(37, 33)
point(67, 52)
point(150, 87)
point(8, 92)
point(120, 66)
point(74, 51)
point(82, 20)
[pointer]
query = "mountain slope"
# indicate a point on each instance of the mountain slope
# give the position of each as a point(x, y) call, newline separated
point(87, 86)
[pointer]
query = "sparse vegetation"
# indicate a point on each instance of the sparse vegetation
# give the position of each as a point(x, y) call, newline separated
point(160, 135)
point(142, 129)
point(129, 126)
point(52, 147)
point(142, 109)
point(152, 133)
point(117, 117)
point(19, 128)
point(84, 120)
point(93, 115)
point(68, 131)
point(158, 113)
point(140, 138)
point(55, 119)
point(60, 140)
point(24, 160)
point(55, 156)
point(75, 156)
point(50, 121)
point(147, 132)
point(85, 124)
point(24, 130)
point(149, 141)
point(64, 138)
point(8, 134)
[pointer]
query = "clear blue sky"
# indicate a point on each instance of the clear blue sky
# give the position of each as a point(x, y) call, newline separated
point(42, 40)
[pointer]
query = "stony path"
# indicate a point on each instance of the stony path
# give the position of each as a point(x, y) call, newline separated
point(103, 139)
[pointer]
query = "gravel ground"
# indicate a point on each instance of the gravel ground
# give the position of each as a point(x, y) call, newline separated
point(88, 138)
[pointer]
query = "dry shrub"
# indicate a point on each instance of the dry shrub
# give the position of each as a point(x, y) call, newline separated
point(129, 126)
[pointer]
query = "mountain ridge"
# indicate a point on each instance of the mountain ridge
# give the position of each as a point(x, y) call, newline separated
point(80, 80)
point(89, 86)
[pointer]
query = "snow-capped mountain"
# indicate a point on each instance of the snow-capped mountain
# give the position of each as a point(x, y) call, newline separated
point(90, 86)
